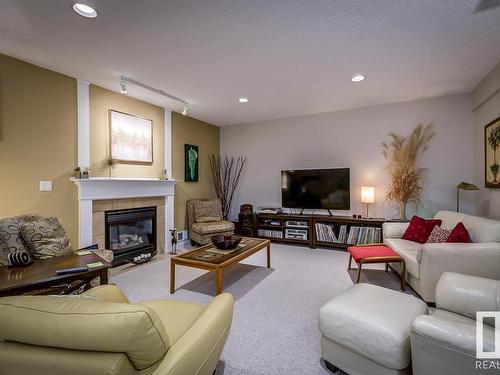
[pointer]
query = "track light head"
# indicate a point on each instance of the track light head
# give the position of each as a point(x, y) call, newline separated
point(123, 86)
point(185, 110)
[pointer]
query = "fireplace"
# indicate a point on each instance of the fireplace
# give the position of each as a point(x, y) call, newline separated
point(130, 233)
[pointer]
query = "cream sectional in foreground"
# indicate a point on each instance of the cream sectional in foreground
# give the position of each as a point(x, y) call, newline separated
point(426, 262)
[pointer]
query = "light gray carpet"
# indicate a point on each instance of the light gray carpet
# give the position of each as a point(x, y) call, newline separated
point(274, 327)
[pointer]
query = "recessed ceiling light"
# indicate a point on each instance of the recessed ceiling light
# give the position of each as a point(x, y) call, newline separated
point(243, 100)
point(358, 78)
point(84, 10)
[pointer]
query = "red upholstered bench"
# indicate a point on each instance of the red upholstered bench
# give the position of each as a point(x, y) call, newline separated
point(375, 254)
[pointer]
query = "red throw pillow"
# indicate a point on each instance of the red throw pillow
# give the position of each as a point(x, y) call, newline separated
point(420, 229)
point(459, 234)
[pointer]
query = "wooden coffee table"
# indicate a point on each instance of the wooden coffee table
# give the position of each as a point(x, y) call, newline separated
point(209, 258)
point(41, 274)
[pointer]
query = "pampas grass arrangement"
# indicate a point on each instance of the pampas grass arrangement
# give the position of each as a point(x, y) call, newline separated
point(403, 154)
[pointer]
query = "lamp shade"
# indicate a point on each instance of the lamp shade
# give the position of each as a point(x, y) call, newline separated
point(367, 194)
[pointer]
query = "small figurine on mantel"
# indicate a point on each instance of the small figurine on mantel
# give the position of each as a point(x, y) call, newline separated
point(173, 233)
point(163, 175)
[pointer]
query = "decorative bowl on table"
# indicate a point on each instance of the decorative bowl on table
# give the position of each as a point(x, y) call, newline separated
point(226, 242)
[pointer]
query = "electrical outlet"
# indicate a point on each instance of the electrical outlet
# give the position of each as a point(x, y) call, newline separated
point(45, 186)
point(182, 235)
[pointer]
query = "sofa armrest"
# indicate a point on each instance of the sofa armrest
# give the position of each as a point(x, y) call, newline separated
point(476, 259)
point(458, 335)
point(107, 293)
point(394, 230)
point(465, 294)
point(199, 349)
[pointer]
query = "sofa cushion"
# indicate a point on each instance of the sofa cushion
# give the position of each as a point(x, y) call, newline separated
point(214, 227)
point(449, 219)
point(438, 235)
point(420, 229)
point(85, 324)
point(176, 316)
point(459, 234)
point(207, 211)
point(11, 239)
point(409, 250)
point(46, 238)
point(373, 322)
point(481, 229)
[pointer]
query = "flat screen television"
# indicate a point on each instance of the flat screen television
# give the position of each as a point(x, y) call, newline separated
point(316, 188)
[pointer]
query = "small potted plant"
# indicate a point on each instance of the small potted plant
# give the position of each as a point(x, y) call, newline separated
point(494, 142)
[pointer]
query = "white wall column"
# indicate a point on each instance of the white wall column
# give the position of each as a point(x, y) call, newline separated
point(83, 123)
point(169, 200)
point(83, 147)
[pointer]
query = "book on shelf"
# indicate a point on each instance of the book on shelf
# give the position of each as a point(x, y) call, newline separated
point(325, 233)
point(270, 233)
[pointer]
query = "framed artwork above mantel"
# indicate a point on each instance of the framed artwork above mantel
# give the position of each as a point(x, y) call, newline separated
point(491, 151)
point(130, 138)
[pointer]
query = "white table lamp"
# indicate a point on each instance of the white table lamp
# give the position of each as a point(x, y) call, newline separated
point(367, 196)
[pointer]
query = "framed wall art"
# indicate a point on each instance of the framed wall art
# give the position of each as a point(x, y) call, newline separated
point(131, 138)
point(191, 156)
point(491, 154)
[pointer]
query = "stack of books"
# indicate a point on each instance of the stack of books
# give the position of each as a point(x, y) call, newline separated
point(324, 233)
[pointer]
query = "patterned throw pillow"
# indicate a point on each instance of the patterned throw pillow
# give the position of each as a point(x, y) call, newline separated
point(438, 235)
point(459, 234)
point(207, 211)
point(10, 239)
point(46, 238)
point(420, 229)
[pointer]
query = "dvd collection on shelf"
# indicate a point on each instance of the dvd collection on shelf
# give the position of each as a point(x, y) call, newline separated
point(356, 236)
point(270, 233)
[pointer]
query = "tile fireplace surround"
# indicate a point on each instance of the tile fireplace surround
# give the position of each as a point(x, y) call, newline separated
point(97, 195)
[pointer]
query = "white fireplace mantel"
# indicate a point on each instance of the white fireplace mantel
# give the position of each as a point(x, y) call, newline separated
point(99, 188)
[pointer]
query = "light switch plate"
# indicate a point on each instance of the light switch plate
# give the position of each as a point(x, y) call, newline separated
point(45, 186)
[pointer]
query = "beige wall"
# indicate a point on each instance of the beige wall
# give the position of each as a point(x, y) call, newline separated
point(352, 138)
point(101, 101)
point(187, 130)
point(486, 107)
point(37, 142)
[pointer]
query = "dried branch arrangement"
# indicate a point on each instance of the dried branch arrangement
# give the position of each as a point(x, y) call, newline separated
point(108, 164)
point(403, 153)
point(226, 174)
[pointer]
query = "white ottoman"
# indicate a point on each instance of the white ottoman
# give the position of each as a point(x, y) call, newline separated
point(366, 330)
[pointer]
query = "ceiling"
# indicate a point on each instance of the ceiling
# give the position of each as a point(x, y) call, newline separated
point(289, 57)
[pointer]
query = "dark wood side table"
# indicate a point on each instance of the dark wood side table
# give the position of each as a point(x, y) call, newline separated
point(41, 274)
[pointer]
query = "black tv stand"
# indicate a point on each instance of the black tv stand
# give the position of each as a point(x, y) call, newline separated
point(329, 212)
point(274, 227)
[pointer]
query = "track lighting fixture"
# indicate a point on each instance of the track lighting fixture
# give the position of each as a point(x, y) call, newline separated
point(123, 89)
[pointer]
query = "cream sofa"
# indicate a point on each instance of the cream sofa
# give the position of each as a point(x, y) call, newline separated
point(100, 332)
point(426, 262)
point(444, 342)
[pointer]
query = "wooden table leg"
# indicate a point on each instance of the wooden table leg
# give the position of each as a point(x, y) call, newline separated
point(172, 277)
point(219, 281)
point(387, 267)
point(403, 276)
point(350, 260)
point(269, 255)
point(103, 277)
point(359, 272)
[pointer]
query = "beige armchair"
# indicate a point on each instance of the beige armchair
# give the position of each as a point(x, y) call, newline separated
point(100, 332)
point(205, 220)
